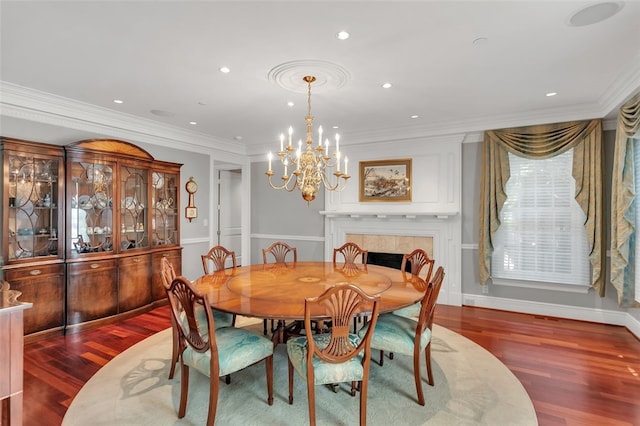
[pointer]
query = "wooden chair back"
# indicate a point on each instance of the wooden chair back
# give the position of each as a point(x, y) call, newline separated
point(344, 301)
point(280, 250)
point(217, 255)
point(418, 259)
point(167, 273)
point(427, 310)
point(350, 252)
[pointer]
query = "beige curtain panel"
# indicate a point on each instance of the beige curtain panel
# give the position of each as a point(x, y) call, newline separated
point(542, 142)
point(623, 193)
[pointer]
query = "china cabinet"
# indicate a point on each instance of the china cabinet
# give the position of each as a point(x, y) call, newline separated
point(32, 257)
point(124, 211)
point(85, 227)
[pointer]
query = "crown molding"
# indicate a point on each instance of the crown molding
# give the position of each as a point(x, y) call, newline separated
point(41, 107)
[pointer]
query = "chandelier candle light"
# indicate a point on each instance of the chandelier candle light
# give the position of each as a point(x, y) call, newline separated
point(312, 167)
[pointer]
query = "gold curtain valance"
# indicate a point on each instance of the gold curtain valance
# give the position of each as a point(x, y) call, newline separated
point(542, 142)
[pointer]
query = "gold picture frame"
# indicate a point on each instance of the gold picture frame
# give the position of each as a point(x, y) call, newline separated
point(385, 180)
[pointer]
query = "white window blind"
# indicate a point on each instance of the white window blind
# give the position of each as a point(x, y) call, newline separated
point(541, 237)
point(636, 168)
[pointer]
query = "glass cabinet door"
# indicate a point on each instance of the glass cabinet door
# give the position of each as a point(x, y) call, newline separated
point(164, 197)
point(91, 208)
point(134, 232)
point(33, 191)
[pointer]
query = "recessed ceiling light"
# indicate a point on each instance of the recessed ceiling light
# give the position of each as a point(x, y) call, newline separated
point(225, 70)
point(118, 101)
point(551, 94)
point(238, 138)
point(386, 85)
point(414, 116)
point(193, 123)
point(595, 13)
point(290, 103)
point(335, 127)
point(343, 35)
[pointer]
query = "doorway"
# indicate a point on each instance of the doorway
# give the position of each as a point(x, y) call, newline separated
point(229, 231)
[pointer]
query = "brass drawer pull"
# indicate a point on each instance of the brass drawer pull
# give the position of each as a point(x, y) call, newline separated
point(136, 260)
point(165, 254)
point(95, 266)
point(35, 272)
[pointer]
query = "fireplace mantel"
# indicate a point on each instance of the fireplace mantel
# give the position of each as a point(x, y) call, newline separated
point(387, 214)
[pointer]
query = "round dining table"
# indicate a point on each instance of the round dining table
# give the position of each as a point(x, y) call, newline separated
point(278, 290)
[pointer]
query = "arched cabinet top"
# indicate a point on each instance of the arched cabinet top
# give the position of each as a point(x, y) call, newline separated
point(111, 146)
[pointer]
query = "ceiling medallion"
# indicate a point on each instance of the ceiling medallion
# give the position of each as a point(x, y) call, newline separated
point(328, 76)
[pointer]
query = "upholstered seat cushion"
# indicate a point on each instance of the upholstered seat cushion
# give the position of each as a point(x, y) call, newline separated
point(324, 372)
point(396, 334)
point(412, 311)
point(237, 349)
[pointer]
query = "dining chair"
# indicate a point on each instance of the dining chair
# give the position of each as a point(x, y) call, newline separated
point(280, 250)
point(350, 253)
point(418, 261)
point(214, 352)
point(223, 319)
point(336, 356)
point(407, 336)
point(218, 255)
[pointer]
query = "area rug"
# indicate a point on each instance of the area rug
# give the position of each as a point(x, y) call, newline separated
point(472, 387)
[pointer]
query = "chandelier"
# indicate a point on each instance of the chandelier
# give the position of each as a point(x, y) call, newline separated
point(312, 167)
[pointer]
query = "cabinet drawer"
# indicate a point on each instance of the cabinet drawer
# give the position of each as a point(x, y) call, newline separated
point(31, 272)
point(92, 266)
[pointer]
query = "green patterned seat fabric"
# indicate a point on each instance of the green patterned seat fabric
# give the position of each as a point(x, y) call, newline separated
point(324, 372)
point(396, 334)
point(222, 319)
point(237, 349)
point(412, 311)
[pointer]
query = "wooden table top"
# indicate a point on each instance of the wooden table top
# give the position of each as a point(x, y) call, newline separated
point(278, 291)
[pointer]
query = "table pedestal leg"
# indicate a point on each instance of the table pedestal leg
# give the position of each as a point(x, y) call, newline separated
point(278, 333)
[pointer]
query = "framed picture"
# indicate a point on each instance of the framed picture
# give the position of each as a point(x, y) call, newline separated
point(385, 180)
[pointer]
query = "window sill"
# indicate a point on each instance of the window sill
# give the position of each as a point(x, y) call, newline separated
point(567, 288)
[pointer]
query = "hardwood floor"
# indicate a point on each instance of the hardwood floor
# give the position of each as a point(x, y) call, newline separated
point(576, 373)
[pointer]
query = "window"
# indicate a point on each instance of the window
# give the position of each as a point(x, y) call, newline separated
point(541, 237)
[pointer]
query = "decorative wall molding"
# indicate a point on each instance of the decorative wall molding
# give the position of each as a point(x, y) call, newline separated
point(279, 237)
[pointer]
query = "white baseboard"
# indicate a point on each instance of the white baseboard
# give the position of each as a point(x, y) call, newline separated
point(633, 325)
point(553, 310)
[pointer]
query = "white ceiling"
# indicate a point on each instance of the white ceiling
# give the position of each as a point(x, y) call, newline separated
point(166, 56)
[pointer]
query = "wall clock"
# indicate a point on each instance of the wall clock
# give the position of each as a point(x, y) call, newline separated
point(191, 211)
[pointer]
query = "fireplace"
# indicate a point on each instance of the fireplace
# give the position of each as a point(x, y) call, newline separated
point(387, 237)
